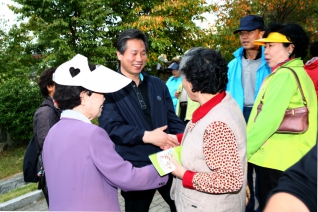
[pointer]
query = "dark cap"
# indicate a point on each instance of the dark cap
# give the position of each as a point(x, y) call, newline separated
point(173, 66)
point(250, 23)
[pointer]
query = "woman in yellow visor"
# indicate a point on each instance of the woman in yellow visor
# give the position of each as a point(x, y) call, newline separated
point(273, 152)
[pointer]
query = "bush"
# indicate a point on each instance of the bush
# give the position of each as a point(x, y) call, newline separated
point(19, 99)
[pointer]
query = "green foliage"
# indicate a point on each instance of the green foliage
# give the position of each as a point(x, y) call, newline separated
point(57, 30)
point(17, 59)
point(19, 99)
point(230, 12)
point(91, 28)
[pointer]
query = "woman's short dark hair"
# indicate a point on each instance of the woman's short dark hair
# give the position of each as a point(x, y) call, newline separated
point(46, 80)
point(206, 69)
point(68, 97)
point(314, 49)
point(128, 35)
point(294, 33)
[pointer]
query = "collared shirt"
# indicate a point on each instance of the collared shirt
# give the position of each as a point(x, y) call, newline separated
point(249, 69)
point(258, 56)
point(141, 92)
point(73, 114)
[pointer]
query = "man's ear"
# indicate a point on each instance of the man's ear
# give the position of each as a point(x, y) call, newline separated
point(119, 56)
point(261, 33)
point(50, 89)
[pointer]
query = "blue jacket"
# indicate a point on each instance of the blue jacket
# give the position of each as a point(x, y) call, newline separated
point(173, 85)
point(234, 86)
point(123, 119)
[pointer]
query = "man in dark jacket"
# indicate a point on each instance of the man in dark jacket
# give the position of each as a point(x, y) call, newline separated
point(140, 118)
point(46, 115)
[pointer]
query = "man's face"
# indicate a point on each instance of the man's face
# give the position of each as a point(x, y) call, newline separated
point(176, 73)
point(247, 37)
point(134, 58)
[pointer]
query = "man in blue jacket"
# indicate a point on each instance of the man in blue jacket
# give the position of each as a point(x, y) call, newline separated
point(140, 118)
point(249, 68)
point(246, 74)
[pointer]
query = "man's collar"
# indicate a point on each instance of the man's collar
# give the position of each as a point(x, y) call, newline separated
point(258, 56)
point(142, 74)
point(141, 77)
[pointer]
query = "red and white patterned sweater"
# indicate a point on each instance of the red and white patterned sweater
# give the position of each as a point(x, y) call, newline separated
point(220, 152)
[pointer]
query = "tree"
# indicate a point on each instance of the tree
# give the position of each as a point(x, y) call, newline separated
point(16, 58)
point(230, 12)
point(64, 28)
point(19, 99)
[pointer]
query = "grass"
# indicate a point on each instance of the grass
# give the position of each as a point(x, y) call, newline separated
point(18, 192)
point(11, 163)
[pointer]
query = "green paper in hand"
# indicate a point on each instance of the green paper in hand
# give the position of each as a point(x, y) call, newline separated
point(162, 160)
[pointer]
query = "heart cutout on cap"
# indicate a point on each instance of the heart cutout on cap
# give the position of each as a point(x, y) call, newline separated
point(74, 71)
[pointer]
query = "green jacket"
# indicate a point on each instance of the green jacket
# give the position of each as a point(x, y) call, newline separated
point(265, 147)
point(191, 106)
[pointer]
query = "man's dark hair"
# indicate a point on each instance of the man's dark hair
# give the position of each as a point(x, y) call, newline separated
point(128, 35)
point(206, 69)
point(46, 80)
point(294, 33)
point(314, 49)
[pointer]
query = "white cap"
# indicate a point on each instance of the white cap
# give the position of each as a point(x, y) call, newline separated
point(102, 79)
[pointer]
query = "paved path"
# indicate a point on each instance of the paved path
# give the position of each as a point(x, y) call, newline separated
point(157, 205)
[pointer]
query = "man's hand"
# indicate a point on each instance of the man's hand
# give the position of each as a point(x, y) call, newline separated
point(177, 94)
point(159, 138)
point(168, 147)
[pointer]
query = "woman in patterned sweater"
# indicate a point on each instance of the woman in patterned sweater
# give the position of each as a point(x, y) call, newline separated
point(213, 172)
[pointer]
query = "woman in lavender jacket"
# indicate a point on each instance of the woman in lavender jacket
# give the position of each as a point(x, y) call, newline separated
point(83, 170)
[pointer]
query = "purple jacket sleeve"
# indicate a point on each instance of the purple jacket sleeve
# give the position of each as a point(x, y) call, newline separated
point(120, 173)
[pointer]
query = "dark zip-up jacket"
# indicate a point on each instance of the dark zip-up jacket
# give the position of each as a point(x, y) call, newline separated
point(124, 121)
point(44, 118)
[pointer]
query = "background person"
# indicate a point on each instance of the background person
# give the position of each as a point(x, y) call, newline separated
point(248, 69)
point(185, 106)
point(312, 65)
point(140, 117)
point(246, 73)
point(273, 152)
point(82, 167)
point(213, 156)
point(46, 115)
point(174, 82)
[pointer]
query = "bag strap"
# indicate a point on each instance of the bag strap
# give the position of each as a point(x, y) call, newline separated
point(299, 86)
